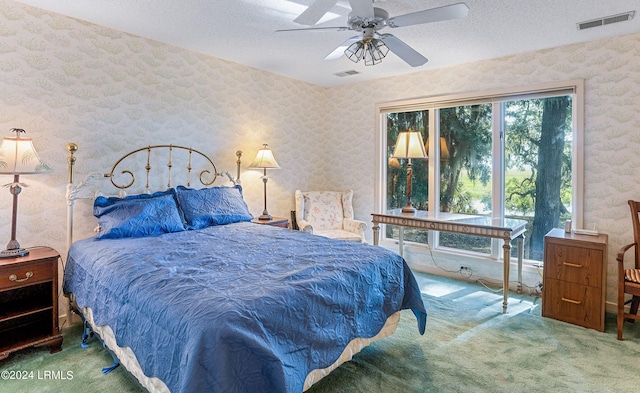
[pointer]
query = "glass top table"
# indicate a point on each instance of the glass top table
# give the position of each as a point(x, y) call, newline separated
point(506, 229)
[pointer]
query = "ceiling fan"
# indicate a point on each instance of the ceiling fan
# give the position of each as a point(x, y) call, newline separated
point(367, 19)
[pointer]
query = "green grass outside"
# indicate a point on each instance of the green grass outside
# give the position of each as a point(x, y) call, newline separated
point(477, 190)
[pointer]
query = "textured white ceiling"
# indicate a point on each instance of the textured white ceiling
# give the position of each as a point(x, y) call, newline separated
point(243, 31)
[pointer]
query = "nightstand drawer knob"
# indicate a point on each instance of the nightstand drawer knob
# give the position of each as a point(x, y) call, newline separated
point(571, 264)
point(27, 276)
point(564, 299)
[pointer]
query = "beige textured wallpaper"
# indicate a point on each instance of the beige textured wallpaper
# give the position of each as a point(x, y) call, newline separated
point(66, 80)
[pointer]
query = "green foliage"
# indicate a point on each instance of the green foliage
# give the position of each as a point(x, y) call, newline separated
point(518, 201)
point(523, 128)
point(462, 203)
point(467, 133)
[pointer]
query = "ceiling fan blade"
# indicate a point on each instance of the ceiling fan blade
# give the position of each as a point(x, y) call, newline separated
point(315, 12)
point(403, 51)
point(447, 12)
point(334, 28)
point(362, 8)
point(339, 51)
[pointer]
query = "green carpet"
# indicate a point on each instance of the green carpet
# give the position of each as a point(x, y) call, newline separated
point(469, 346)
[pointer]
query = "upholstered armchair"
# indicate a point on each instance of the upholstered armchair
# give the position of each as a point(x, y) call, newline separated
point(329, 214)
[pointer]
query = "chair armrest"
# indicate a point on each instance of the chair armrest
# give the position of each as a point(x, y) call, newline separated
point(355, 226)
point(621, 252)
point(305, 226)
point(621, 280)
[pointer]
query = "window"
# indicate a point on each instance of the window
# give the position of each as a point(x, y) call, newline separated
point(512, 153)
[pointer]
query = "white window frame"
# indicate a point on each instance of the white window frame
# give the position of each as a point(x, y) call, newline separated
point(497, 97)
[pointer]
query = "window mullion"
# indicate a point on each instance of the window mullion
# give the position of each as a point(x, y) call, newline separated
point(434, 173)
point(497, 171)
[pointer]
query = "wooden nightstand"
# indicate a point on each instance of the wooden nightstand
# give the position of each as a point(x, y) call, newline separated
point(29, 302)
point(574, 282)
point(276, 222)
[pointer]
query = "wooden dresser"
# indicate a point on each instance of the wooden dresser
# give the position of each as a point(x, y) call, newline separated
point(29, 302)
point(574, 283)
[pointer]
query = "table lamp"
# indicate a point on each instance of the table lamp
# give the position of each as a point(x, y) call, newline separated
point(18, 157)
point(264, 160)
point(409, 145)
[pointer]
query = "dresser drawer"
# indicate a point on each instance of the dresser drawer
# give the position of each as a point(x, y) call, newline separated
point(573, 303)
point(574, 264)
point(26, 274)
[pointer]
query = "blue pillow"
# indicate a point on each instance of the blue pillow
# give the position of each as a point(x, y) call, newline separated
point(212, 206)
point(138, 215)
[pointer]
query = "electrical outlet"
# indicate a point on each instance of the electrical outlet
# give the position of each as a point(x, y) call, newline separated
point(464, 268)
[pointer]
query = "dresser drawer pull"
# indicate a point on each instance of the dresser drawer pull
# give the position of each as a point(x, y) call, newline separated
point(564, 299)
point(27, 276)
point(571, 264)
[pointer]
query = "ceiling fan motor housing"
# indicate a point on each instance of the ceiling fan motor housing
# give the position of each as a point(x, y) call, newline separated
point(359, 23)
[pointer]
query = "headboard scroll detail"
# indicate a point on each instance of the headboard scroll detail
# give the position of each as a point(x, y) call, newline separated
point(206, 176)
point(213, 173)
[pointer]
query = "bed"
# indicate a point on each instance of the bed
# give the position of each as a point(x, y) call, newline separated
point(191, 296)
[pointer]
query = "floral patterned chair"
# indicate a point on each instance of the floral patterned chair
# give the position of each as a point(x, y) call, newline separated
point(329, 214)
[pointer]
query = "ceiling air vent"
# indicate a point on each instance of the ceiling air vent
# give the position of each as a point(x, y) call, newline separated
point(607, 20)
point(347, 73)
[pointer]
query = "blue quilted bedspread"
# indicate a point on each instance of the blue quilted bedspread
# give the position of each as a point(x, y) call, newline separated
point(239, 307)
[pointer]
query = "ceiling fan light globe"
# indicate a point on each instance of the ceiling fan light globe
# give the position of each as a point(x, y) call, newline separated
point(355, 52)
point(381, 48)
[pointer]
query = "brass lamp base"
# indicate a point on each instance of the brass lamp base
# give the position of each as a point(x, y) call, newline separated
point(15, 253)
point(409, 209)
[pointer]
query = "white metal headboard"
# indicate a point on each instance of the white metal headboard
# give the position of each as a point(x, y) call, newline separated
point(206, 176)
